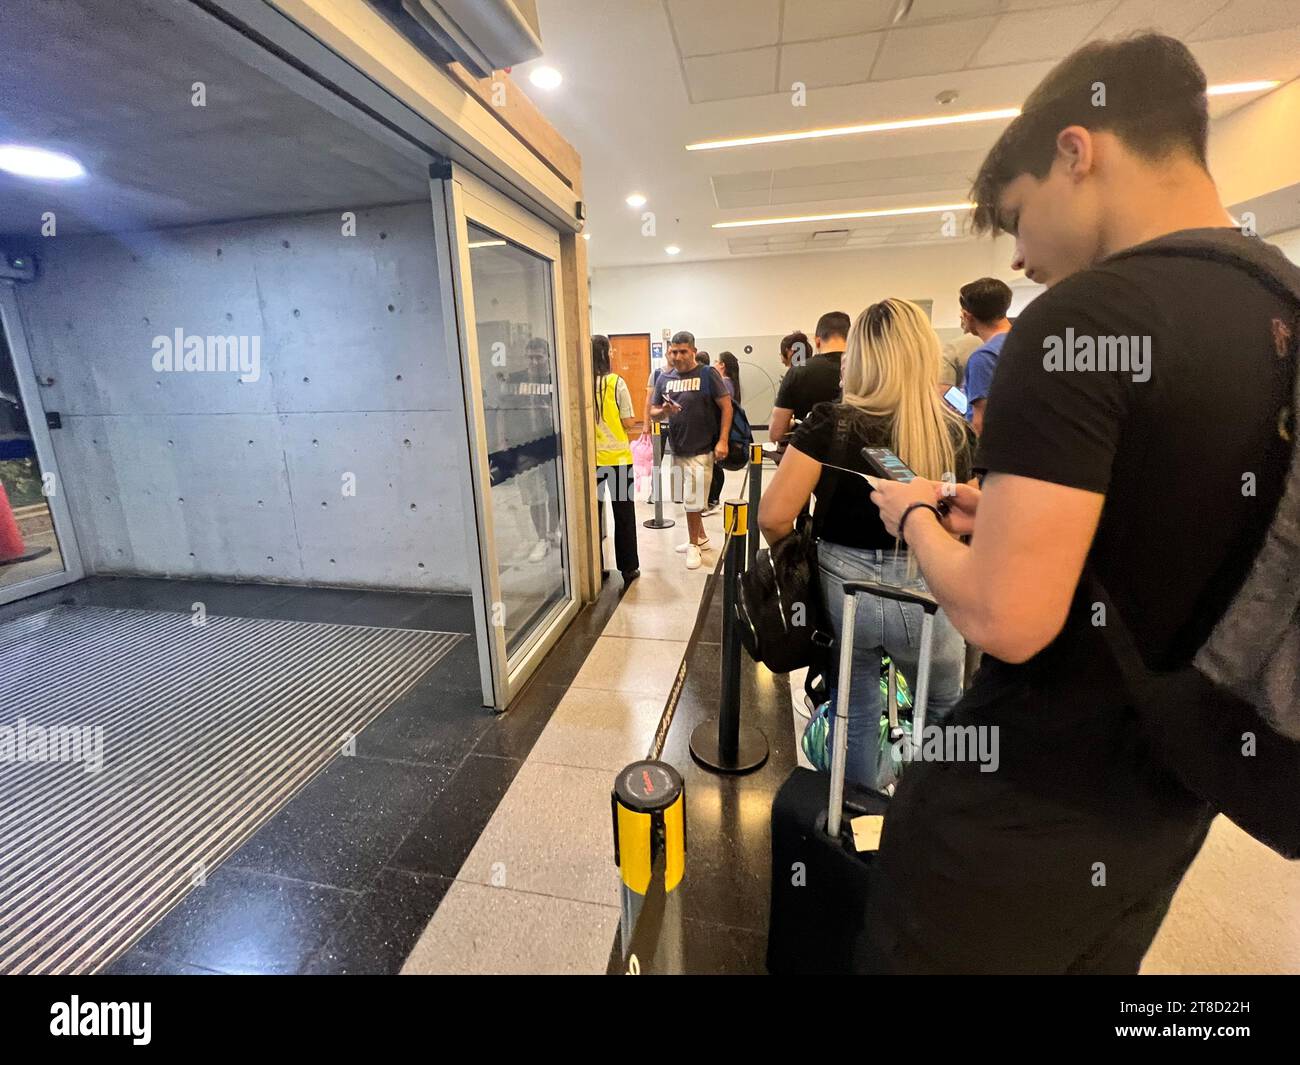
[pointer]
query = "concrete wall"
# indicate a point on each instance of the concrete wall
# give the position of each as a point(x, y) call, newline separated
point(202, 474)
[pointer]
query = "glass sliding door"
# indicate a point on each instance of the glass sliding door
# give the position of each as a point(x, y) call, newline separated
point(37, 548)
point(504, 264)
point(514, 326)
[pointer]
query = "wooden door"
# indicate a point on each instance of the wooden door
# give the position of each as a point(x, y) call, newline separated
point(629, 357)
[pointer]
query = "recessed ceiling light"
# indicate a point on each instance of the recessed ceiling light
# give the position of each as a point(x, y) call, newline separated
point(882, 213)
point(545, 77)
point(636, 200)
point(39, 163)
point(672, 249)
point(926, 122)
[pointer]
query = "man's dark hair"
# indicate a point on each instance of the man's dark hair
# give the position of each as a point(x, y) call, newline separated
point(1154, 101)
point(702, 358)
point(793, 341)
point(682, 337)
point(832, 324)
point(986, 300)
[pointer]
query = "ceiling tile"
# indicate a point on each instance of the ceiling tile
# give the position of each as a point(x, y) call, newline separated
point(703, 27)
point(953, 9)
point(1249, 16)
point(1174, 17)
point(807, 20)
point(840, 61)
point(731, 75)
point(937, 49)
point(1029, 35)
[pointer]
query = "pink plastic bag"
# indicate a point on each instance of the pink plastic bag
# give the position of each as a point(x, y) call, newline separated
point(643, 460)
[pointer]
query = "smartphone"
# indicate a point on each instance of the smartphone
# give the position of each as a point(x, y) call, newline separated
point(884, 463)
point(956, 399)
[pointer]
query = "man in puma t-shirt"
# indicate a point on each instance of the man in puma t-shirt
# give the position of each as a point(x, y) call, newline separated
point(1129, 460)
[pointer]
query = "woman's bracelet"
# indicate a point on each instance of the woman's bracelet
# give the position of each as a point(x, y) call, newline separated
point(917, 506)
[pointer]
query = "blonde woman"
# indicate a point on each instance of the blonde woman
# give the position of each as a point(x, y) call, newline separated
point(890, 367)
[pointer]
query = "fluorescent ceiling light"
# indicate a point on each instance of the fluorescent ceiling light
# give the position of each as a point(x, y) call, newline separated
point(39, 163)
point(866, 127)
point(1230, 88)
point(636, 200)
point(926, 122)
point(885, 212)
point(545, 77)
point(672, 249)
point(487, 243)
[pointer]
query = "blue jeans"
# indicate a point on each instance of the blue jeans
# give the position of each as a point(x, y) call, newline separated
point(885, 627)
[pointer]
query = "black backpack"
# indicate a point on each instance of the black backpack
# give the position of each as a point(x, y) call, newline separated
point(1227, 724)
point(779, 601)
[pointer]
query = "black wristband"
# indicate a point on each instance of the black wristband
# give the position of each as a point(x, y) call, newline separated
point(917, 506)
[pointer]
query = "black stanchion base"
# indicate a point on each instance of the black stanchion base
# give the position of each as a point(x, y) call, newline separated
point(651, 523)
point(751, 750)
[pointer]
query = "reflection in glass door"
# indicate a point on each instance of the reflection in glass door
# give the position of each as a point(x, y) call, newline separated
point(514, 322)
point(500, 299)
point(32, 558)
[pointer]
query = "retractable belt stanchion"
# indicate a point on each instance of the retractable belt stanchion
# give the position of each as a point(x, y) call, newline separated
point(727, 745)
point(649, 809)
point(656, 482)
point(755, 495)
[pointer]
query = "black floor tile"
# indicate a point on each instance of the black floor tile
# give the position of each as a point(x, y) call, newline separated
point(430, 723)
point(457, 670)
point(715, 949)
point(245, 922)
point(343, 827)
point(137, 962)
point(764, 704)
point(383, 926)
point(512, 734)
point(441, 842)
point(441, 613)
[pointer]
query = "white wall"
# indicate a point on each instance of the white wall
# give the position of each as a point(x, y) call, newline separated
point(772, 295)
point(728, 303)
point(202, 475)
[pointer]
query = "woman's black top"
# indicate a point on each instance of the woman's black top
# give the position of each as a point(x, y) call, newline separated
point(836, 433)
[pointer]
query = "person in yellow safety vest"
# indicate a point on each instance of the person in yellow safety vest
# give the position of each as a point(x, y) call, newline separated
point(614, 474)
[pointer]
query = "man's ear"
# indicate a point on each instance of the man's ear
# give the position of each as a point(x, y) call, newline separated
point(1075, 147)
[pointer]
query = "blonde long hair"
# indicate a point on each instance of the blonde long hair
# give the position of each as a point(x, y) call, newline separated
point(891, 368)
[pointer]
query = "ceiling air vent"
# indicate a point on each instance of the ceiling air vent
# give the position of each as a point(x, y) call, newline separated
point(482, 35)
point(830, 236)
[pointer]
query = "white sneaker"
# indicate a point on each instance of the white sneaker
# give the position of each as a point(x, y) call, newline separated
point(540, 550)
point(693, 557)
point(686, 545)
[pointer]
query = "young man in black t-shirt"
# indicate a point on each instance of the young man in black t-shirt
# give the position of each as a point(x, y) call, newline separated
point(811, 380)
point(1066, 858)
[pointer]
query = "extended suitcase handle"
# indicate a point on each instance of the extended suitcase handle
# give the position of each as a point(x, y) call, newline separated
point(892, 591)
point(840, 744)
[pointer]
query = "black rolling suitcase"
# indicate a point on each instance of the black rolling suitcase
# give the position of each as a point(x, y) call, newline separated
point(820, 882)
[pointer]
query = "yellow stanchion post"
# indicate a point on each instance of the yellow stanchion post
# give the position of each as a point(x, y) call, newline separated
point(648, 802)
point(755, 495)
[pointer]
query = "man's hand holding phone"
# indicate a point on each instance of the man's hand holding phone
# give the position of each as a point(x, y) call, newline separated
point(962, 500)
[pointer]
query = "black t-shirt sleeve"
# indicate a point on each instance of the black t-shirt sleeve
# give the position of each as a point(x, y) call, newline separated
point(815, 436)
point(1056, 424)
